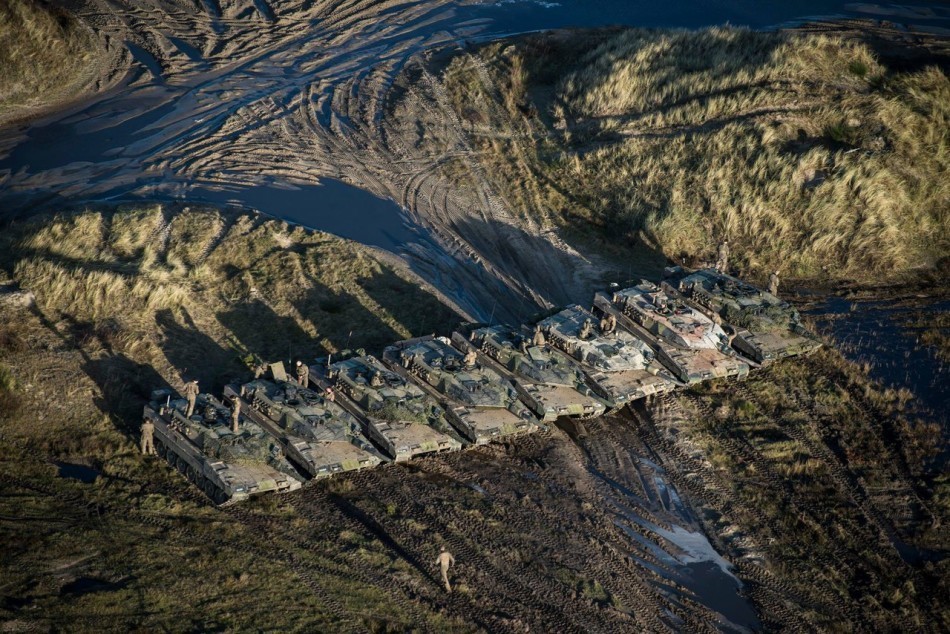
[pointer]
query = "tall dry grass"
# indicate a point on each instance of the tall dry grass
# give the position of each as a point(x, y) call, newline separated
point(44, 55)
point(803, 150)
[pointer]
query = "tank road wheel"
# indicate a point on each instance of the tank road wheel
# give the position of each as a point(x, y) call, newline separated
point(209, 489)
point(161, 450)
point(191, 474)
point(219, 497)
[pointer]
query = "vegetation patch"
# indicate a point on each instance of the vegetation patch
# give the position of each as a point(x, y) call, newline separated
point(45, 55)
point(798, 148)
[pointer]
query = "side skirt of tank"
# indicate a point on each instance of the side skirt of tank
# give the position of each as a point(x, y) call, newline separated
point(179, 453)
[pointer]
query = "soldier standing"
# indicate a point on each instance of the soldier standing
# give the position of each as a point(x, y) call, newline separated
point(773, 283)
point(303, 374)
point(538, 340)
point(191, 393)
point(148, 434)
point(445, 560)
point(722, 262)
point(235, 415)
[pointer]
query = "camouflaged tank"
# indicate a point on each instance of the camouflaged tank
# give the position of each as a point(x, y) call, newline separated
point(397, 415)
point(766, 328)
point(480, 403)
point(228, 467)
point(687, 342)
point(620, 367)
point(550, 382)
point(320, 436)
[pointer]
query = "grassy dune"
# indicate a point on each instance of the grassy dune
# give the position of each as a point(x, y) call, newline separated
point(804, 150)
point(45, 55)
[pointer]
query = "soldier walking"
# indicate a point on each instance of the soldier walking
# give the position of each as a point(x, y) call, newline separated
point(445, 560)
point(722, 262)
point(773, 283)
point(235, 415)
point(191, 393)
point(303, 374)
point(148, 436)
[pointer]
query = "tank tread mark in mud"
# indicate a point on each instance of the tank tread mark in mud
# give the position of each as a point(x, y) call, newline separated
point(620, 367)
point(227, 467)
point(766, 328)
point(396, 415)
point(690, 344)
point(320, 437)
point(550, 382)
point(481, 403)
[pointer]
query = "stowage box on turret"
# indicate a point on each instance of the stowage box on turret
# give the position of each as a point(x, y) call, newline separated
point(319, 435)
point(228, 467)
point(766, 328)
point(549, 381)
point(690, 344)
point(480, 403)
point(620, 367)
point(397, 415)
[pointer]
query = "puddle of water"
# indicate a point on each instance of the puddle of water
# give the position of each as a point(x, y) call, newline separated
point(81, 472)
point(88, 585)
point(876, 332)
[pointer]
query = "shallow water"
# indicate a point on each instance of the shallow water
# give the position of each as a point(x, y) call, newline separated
point(81, 472)
point(876, 332)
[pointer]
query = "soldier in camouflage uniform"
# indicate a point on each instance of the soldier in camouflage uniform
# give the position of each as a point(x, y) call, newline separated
point(539, 339)
point(445, 560)
point(470, 358)
point(722, 262)
point(235, 415)
point(148, 434)
point(303, 374)
point(773, 283)
point(191, 395)
point(587, 329)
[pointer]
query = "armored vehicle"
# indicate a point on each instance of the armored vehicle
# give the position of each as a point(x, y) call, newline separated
point(397, 415)
point(765, 327)
point(549, 381)
point(687, 342)
point(228, 467)
point(318, 435)
point(480, 403)
point(620, 367)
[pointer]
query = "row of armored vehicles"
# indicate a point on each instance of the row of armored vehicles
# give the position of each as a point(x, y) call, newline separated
point(436, 394)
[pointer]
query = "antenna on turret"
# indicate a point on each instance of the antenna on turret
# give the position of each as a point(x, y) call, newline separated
point(491, 319)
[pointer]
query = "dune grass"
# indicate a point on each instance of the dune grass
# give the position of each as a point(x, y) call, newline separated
point(803, 150)
point(45, 55)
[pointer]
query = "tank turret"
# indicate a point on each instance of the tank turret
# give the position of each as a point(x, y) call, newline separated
point(619, 366)
point(399, 417)
point(690, 344)
point(765, 327)
point(227, 466)
point(549, 381)
point(319, 435)
point(480, 403)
